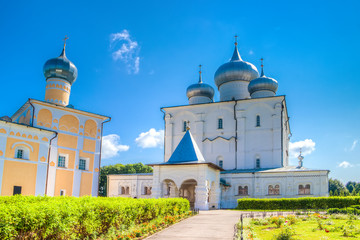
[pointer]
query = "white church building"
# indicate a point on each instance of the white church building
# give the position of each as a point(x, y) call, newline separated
point(218, 152)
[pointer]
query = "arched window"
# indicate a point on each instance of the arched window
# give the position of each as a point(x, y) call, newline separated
point(307, 189)
point(221, 163)
point(257, 164)
point(122, 190)
point(22, 152)
point(277, 190)
point(145, 190)
point(257, 120)
point(127, 191)
point(270, 190)
point(301, 190)
point(243, 190)
point(220, 123)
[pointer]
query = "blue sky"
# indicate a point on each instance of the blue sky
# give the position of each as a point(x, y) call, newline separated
point(134, 57)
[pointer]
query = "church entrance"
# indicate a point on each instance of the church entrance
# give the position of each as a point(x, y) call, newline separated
point(187, 190)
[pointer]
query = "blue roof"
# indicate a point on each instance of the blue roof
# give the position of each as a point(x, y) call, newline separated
point(187, 151)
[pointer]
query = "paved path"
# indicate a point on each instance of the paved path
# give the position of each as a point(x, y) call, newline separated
point(214, 224)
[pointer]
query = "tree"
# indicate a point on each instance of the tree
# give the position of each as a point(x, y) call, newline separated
point(119, 169)
point(336, 187)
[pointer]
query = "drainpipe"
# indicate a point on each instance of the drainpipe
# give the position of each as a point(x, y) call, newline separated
point(102, 125)
point(48, 164)
point(33, 112)
point(236, 133)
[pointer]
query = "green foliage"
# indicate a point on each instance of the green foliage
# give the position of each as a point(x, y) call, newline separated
point(337, 188)
point(349, 210)
point(28, 217)
point(119, 169)
point(286, 233)
point(297, 203)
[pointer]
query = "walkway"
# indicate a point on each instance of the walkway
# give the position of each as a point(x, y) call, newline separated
point(215, 224)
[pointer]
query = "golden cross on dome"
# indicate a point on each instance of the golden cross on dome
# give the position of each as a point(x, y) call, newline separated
point(188, 125)
point(200, 79)
point(66, 38)
point(236, 36)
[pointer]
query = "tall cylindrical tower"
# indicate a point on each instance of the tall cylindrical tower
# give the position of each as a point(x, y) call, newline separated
point(60, 74)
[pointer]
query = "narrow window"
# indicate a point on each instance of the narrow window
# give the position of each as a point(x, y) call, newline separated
point(127, 190)
point(240, 190)
point(221, 163)
point(82, 164)
point(20, 153)
point(257, 120)
point(301, 190)
point(184, 126)
point(270, 190)
point(246, 192)
point(257, 165)
point(17, 190)
point(307, 189)
point(122, 190)
point(145, 190)
point(62, 192)
point(277, 190)
point(61, 161)
point(220, 123)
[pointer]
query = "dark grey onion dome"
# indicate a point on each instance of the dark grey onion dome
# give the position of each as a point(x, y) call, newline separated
point(200, 92)
point(60, 67)
point(235, 70)
point(264, 84)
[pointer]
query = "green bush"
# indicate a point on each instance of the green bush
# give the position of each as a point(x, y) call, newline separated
point(349, 210)
point(78, 218)
point(297, 203)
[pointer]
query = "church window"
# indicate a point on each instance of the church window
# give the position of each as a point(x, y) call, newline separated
point(145, 190)
point(274, 190)
point(304, 190)
point(257, 163)
point(127, 191)
point(122, 192)
point(243, 190)
point(20, 153)
point(82, 164)
point(221, 163)
point(220, 123)
point(62, 161)
point(62, 192)
point(17, 190)
point(257, 121)
point(184, 126)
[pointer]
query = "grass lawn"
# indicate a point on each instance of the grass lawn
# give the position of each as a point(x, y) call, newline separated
point(305, 227)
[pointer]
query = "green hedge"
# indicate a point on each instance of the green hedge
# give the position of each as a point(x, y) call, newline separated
point(78, 218)
point(349, 210)
point(297, 203)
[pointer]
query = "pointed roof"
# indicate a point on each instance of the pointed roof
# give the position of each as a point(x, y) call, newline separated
point(186, 151)
point(236, 55)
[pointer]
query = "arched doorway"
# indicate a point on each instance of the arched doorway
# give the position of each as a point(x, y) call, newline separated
point(187, 190)
point(169, 189)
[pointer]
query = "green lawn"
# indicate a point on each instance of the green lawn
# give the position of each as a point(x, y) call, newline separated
point(305, 227)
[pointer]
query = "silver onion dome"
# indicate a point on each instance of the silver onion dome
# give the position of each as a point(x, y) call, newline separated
point(200, 89)
point(60, 67)
point(263, 83)
point(235, 70)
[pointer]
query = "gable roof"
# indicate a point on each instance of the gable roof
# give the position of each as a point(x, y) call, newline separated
point(186, 151)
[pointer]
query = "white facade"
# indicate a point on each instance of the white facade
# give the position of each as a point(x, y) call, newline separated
point(246, 138)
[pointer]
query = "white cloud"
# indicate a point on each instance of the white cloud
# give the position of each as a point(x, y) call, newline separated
point(150, 139)
point(307, 147)
point(111, 146)
point(345, 164)
point(353, 146)
point(125, 50)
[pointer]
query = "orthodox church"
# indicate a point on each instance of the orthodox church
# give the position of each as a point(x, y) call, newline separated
point(218, 152)
point(48, 147)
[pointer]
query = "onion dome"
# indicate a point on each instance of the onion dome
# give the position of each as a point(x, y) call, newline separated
point(6, 118)
point(235, 70)
point(60, 67)
point(200, 92)
point(263, 86)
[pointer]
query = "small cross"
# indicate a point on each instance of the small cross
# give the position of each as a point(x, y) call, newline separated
point(66, 38)
point(188, 125)
point(262, 65)
point(236, 36)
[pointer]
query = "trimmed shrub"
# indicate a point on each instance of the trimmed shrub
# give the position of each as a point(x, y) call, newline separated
point(297, 203)
point(28, 217)
point(349, 210)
